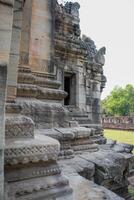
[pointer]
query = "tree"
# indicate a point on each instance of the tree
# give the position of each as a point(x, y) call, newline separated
point(120, 102)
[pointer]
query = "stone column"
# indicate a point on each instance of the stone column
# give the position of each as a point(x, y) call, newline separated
point(96, 113)
point(6, 15)
point(15, 49)
point(81, 90)
point(25, 34)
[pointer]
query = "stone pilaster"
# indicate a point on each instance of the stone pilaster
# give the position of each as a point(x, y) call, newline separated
point(25, 34)
point(14, 50)
point(36, 36)
point(40, 40)
point(3, 79)
point(6, 15)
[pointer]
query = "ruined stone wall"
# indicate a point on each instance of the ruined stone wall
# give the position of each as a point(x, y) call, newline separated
point(121, 123)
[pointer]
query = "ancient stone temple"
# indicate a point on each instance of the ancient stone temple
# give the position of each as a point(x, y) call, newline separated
point(51, 138)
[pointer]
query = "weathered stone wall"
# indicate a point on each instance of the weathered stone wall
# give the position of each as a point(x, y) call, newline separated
point(122, 123)
point(6, 16)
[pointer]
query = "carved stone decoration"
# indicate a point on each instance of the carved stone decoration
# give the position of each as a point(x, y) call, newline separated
point(89, 44)
point(72, 8)
point(19, 126)
point(93, 54)
point(99, 57)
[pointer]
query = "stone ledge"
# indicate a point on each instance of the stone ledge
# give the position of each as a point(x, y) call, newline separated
point(63, 134)
point(49, 187)
point(33, 91)
point(29, 78)
point(42, 148)
point(32, 170)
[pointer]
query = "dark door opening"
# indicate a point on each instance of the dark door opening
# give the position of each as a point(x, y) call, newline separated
point(70, 88)
point(67, 84)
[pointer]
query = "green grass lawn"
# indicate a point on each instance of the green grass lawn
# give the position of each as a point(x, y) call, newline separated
point(131, 191)
point(120, 136)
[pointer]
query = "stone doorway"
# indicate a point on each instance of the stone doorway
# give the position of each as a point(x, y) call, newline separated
point(70, 88)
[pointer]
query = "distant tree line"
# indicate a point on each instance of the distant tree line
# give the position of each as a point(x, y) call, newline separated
point(120, 102)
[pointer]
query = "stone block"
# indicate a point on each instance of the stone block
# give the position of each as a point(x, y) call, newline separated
point(19, 127)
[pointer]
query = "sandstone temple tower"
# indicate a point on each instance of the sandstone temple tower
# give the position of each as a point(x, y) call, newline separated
point(51, 78)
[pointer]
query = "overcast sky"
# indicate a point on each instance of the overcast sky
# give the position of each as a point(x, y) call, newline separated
point(110, 23)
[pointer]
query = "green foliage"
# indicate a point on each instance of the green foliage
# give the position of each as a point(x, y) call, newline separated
point(120, 102)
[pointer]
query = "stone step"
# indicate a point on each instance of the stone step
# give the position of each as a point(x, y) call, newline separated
point(79, 115)
point(90, 125)
point(65, 134)
point(42, 180)
point(83, 120)
point(89, 148)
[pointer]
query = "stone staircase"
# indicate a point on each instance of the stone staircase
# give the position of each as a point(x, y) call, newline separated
point(81, 118)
